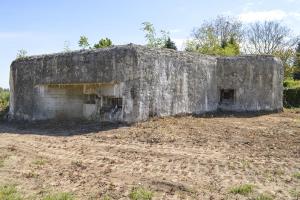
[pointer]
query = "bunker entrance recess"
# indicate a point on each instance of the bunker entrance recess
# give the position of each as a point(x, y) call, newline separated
point(96, 101)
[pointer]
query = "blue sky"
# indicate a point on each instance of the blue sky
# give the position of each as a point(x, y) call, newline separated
point(44, 26)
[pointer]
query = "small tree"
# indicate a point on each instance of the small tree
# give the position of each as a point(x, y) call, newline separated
point(22, 53)
point(170, 44)
point(103, 43)
point(83, 42)
point(150, 35)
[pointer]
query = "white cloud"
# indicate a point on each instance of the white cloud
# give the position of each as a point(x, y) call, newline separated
point(271, 15)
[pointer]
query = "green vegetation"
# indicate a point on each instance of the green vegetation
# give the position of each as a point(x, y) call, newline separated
point(291, 84)
point(221, 36)
point(4, 101)
point(295, 193)
point(139, 193)
point(169, 44)
point(291, 93)
point(242, 189)
point(297, 175)
point(104, 42)
point(83, 42)
point(9, 192)
point(226, 36)
point(59, 196)
point(291, 97)
point(154, 41)
point(22, 53)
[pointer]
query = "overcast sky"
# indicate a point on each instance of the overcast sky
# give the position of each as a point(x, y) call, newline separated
point(43, 26)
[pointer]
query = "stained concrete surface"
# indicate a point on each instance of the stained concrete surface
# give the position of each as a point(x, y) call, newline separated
point(131, 83)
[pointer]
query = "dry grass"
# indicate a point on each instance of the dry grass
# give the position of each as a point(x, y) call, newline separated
point(174, 158)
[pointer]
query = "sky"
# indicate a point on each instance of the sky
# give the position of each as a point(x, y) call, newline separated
point(41, 27)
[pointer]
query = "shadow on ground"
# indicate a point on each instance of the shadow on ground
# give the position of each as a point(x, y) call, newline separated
point(81, 127)
point(228, 114)
point(57, 128)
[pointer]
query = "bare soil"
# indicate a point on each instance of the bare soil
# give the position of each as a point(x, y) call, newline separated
point(175, 157)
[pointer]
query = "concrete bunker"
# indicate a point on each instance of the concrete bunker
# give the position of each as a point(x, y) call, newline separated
point(131, 83)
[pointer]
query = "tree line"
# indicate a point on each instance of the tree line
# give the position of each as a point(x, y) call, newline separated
point(227, 36)
point(222, 36)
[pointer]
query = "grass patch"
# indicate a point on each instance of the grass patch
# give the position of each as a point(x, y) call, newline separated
point(39, 162)
point(297, 175)
point(264, 197)
point(59, 196)
point(242, 189)
point(9, 192)
point(295, 193)
point(139, 193)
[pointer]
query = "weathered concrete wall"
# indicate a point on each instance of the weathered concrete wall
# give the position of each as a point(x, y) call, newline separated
point(256, 80)
point(176, 82)
point(109, 66)
point(149, 82)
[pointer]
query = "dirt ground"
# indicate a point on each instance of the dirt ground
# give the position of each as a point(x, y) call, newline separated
point(175, 157)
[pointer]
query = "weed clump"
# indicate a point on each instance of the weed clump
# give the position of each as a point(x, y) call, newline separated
point(242, 189)
point(9, 192)
point(139, 193)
